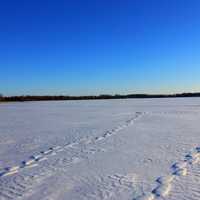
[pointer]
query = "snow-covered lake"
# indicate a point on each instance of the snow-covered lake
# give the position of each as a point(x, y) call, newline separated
point(100, 150)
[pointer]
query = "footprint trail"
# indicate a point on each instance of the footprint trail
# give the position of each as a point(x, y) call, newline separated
point(178, 170)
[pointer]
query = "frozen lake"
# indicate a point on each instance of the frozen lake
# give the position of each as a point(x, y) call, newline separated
point(100, 150)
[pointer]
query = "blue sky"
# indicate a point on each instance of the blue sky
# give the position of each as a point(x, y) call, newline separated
point(83, 47)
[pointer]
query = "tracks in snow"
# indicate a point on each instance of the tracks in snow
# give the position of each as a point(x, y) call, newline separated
point(14, 185)
point(35, 159)
point(178, 169)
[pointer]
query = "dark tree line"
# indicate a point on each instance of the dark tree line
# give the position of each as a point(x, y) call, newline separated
point(103, 96)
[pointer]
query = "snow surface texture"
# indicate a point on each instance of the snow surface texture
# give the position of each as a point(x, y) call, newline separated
point(116, 149)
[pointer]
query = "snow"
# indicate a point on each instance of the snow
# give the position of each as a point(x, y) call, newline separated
point(107, 149)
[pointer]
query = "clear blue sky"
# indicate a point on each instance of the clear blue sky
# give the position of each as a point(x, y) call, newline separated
point(82, 47)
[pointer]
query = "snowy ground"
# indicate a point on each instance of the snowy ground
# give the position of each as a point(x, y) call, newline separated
point(100, 150)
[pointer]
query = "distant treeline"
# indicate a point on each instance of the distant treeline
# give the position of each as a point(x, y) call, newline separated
point(104, 96)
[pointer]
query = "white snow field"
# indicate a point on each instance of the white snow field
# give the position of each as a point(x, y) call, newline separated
point(136, 149)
